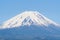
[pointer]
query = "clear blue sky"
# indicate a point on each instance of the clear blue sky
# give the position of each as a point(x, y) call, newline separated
point(49, 8)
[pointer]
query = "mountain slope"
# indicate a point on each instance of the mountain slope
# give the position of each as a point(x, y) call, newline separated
point(28, 18)
point(32, 32)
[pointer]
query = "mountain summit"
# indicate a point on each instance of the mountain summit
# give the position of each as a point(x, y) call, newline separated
point(28, 18)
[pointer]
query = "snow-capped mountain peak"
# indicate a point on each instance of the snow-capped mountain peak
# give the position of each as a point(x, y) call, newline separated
point(28, 18)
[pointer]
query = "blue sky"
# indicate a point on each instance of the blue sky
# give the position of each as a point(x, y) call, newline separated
point(49, 8)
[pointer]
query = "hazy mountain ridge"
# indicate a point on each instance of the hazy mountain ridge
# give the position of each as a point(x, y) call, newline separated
point(31, 32)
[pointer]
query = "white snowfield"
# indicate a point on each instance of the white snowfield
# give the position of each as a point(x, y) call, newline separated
point(28, 18)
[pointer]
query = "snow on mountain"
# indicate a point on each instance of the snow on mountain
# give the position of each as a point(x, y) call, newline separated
point(28, 18)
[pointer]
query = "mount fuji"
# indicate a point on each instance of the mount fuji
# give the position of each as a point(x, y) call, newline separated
point(30, 25)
